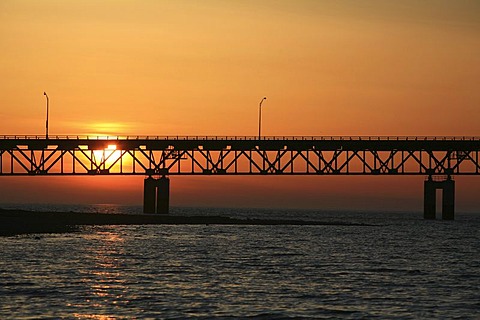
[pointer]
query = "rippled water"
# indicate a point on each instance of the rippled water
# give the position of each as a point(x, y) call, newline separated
point(398, 267)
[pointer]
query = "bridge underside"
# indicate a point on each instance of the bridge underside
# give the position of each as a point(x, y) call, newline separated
point(164, 156)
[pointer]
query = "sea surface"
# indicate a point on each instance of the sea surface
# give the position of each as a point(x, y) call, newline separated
point(383, 266)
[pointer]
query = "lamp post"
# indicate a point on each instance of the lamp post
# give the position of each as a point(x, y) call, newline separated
point(46, 123)
point(260, 118)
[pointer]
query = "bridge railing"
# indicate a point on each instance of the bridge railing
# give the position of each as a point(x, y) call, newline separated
point(242, 138)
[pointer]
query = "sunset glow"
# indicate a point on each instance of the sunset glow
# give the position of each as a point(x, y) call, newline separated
point(180, 68)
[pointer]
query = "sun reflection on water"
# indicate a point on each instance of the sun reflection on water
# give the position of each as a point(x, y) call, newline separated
point(93, 316)
point(106, 281)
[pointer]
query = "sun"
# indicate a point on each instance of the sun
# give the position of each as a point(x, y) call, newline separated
point(107, 156)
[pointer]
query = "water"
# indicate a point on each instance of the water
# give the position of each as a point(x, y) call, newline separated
point(397, 266)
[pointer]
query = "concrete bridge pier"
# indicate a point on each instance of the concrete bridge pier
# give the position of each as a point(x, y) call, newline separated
point(448, 200)
point(430, 198)
point(156, 195)
point(149, 199)
point(163, 195)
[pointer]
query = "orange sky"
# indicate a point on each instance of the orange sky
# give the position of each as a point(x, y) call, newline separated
point(200, 68)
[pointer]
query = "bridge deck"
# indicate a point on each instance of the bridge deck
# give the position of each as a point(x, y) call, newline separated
point(206, 155)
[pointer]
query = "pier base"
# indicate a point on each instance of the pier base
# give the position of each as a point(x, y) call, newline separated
point(430, 198)
point(156, 195)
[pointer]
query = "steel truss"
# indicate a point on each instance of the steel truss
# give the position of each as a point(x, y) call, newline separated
point(156, 156)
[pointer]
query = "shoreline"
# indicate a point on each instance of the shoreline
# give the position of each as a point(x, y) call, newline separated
point(15, 222)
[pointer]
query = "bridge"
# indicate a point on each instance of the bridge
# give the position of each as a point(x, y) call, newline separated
point(438, 159)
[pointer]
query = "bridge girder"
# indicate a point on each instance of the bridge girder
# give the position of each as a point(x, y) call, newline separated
point(240, 156)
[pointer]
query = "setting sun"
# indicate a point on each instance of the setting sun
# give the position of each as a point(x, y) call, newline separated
point(106, 157)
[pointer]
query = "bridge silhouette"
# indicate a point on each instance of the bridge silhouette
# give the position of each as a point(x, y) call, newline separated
point(157, 158)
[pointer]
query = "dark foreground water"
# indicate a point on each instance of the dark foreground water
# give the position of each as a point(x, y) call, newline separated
point(399, 267)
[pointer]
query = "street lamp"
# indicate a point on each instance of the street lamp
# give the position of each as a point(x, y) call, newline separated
point(260, 118)
point(46, 124)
